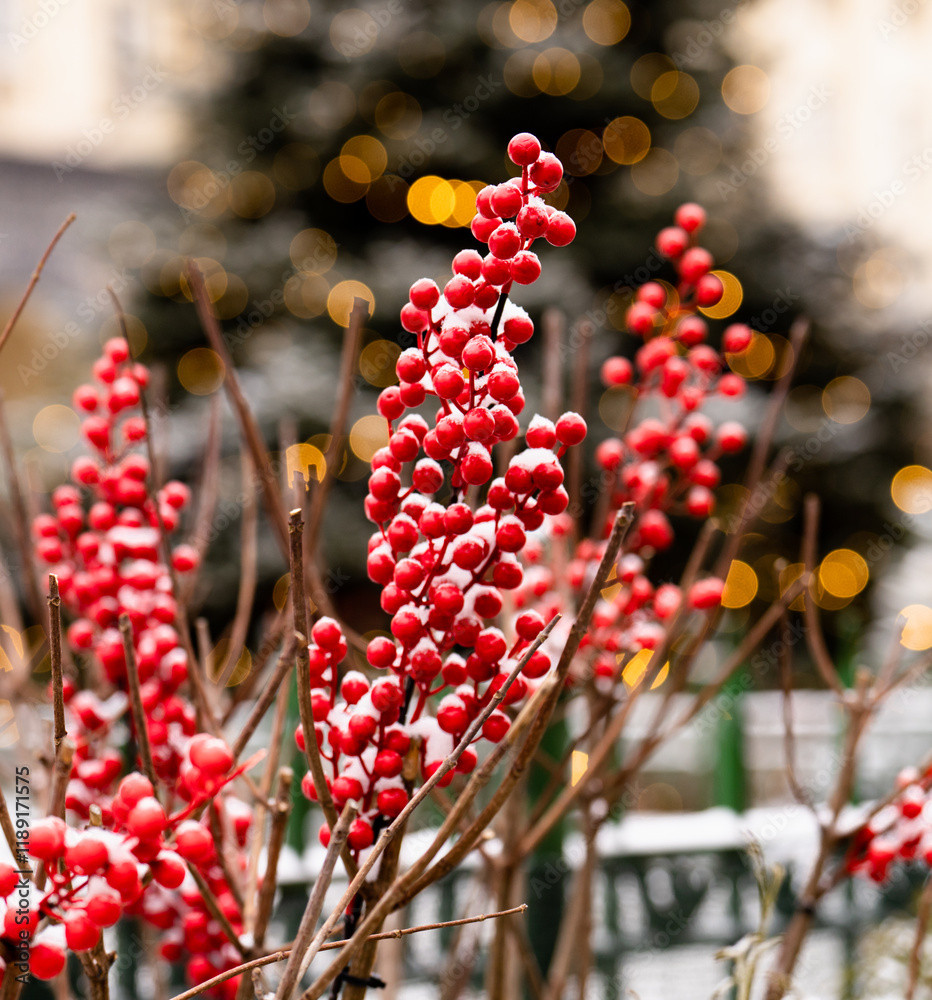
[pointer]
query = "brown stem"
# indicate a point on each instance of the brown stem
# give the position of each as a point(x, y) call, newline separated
point(281, 955)
point(302, 942)
point(348, 357)
point(216, 912)
point(815, 640)
point(20, 518)
point(249, 564)
point(58, 697)
point(61, 774)
point(280, 815)
point(301, 635)
point(206, 492)
point(271, 494)
point(34, 280)
point(135, 696)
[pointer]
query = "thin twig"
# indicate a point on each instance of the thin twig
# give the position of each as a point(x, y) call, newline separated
point(206, 492)
point(216, 911)
point(21, 518)
point(280, 956)
point(268, 482)
point(280, 815)
point(348, 356)
point(814, 637)
point(61, 775)
point(135, 697)
point(789, 738)
point(302, 942)
point(249, 564)
point(34, 280)
point(301, 635)
point(58, 696)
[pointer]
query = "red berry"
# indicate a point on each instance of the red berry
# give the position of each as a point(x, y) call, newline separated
point(146, 819)
point(361, 835)
point(525, 267)
point(505, 241)
point(546, 173)
point(731, 437)
point(87, 856)
point(736, 338)
point(193, 841)
point(571, 429)
point(695, 262)
point(709, 290)
point(532, 221)
point(211, 755)
point(524, 149)
point(518, 329)
point(81, 932)
point(47, 838)
point(495, 727)
point(46, 960)
point(690, 217)
point(561, 231)
point(672, 241)
point(506, 200)
point(391, 801)
point(424, 294)
point(706, 594)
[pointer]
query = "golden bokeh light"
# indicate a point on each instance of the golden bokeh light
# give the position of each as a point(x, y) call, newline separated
point(368, 151)
point(217, 665)
point(306, 295)
point(203, 239)
point(636, 668)
point(917, 629)
point(302, 458)
point(201, 371)
point(367, 435)
point(346, 179)
point(280, 591)
point(580, 152)
point(788, 576)
point(234, 298)
point(756, 360)
point(911, 489)
point(846, 400)
point(746, 89)
point(606, 22)
point(674, 94)
point(740, 585)
point(556, 71)
point(518, 73)
point(615, 406)
point(732, 296)
point(626, 140)
point(377, 363)
point(579, 764)
point(136, 332)
point(646, 70)
point(843, 573)
point(532, 21)
point(56, 428)
point(341, 298)
point(656, 173)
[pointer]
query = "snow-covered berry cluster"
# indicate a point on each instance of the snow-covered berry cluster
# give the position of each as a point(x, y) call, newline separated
point(445, 568)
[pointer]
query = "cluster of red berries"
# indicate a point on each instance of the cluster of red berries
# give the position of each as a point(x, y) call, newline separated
point(443, 567)
point(900, 832)
point(666, 464)
point(104, 542)
point(134, 865)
